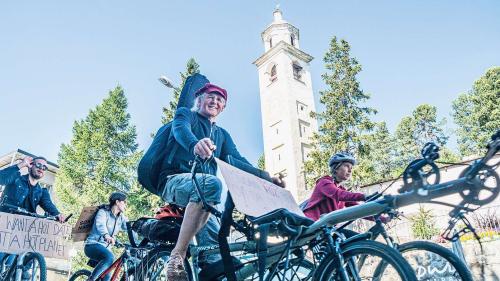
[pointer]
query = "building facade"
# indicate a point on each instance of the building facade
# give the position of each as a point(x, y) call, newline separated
point(287, 100)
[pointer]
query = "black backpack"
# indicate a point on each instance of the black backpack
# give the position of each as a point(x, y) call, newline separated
point(164, 145)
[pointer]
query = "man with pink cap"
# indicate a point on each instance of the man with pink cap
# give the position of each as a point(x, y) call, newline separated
point(196, 133)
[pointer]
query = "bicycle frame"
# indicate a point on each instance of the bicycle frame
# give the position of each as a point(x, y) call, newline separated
point(115, 266)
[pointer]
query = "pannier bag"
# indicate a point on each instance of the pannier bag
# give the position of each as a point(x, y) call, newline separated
point(164, 230)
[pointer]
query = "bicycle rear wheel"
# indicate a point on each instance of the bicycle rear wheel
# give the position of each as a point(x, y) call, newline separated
point(154, 266)
point(299, 269)
point(361, 261)
point(80, 275)
point(434, 262)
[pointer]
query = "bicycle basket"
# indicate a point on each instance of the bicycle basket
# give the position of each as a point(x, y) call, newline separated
point(164, 230)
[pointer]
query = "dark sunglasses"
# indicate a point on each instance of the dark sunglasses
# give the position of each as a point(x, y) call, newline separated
point(41, 166)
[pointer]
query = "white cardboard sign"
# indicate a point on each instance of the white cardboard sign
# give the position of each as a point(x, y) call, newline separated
point(20, 234)
point(254, 196)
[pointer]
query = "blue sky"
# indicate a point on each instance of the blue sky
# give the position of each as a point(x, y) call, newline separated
point(58, 59)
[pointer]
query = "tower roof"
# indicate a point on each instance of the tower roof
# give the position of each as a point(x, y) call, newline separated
point(278, 16)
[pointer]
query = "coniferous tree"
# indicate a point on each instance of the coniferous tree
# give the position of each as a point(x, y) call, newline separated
point(477, 113)
point(345, 119)
point(101, 157)
point(378, 164)
point(192, 67)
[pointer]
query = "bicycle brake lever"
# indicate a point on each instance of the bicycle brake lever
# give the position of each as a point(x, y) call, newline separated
point(67, 218)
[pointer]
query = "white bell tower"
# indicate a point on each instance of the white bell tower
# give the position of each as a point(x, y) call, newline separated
point(286, 98)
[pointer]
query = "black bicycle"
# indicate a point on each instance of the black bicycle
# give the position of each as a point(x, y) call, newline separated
point(28, 265)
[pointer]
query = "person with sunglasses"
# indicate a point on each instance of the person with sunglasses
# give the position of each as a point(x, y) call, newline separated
point(24, 191)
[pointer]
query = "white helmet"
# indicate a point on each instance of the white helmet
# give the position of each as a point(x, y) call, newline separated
point(339, 158)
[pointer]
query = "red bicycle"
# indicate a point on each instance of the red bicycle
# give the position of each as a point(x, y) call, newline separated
point(123, 268)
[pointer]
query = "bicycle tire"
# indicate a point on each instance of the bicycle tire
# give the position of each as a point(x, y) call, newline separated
point(327, 269)
point(80, 273)
point(451, 267)
point(300, 269)
point(154, 266)
point(28, 261)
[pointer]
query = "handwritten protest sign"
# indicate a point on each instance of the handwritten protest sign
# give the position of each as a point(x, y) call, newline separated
point(254, 196)
point(84, 224)
point(20, 234)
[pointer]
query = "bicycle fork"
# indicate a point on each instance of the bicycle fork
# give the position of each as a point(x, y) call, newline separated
point(335, 248)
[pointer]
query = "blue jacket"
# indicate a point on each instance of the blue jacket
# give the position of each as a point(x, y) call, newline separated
point(188, 127)
point(17, 188)
point(106, 223)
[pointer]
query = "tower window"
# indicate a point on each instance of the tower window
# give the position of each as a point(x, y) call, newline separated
point(270, 42)
point(297, 71)
point(273, 73)
point(292, 40)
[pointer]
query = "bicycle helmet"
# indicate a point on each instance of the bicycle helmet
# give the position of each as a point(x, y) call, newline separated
point(339, 158)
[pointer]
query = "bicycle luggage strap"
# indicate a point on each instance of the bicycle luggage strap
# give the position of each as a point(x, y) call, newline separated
point(223, 244)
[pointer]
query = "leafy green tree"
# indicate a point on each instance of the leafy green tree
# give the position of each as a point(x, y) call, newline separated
point(423, 224)
point(192, 67)
point(477, 113)
point(345, 119)
point(413, 132)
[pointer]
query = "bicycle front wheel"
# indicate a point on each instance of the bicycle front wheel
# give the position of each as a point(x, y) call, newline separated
point(361, 261)
point(34, 268)
point(434, 262)
point(80, 275)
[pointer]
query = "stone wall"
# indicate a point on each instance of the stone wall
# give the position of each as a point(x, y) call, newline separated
point(485, 264)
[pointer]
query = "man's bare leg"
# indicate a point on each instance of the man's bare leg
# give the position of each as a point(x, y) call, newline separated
point(194, 219)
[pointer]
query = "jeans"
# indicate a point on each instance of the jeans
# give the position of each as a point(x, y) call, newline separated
point(103, 255)
point(180, 190)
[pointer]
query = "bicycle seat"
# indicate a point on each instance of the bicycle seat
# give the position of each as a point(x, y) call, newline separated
point(291, 219)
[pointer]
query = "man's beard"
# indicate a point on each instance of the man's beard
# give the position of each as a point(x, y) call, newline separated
point(34, 174)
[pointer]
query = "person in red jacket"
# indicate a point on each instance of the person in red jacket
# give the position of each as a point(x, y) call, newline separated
point(329, 195)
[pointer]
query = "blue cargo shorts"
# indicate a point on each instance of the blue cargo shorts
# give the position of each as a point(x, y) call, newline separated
point(180, 189)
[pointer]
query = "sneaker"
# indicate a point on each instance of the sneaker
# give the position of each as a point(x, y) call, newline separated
point(175, 269)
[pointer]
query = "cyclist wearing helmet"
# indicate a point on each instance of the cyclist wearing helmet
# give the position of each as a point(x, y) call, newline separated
point(329, 195)
point(108, 222)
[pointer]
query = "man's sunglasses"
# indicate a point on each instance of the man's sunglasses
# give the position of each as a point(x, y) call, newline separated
point(41, 166)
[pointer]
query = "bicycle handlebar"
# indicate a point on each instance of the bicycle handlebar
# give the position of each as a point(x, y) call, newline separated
point(17, 209)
